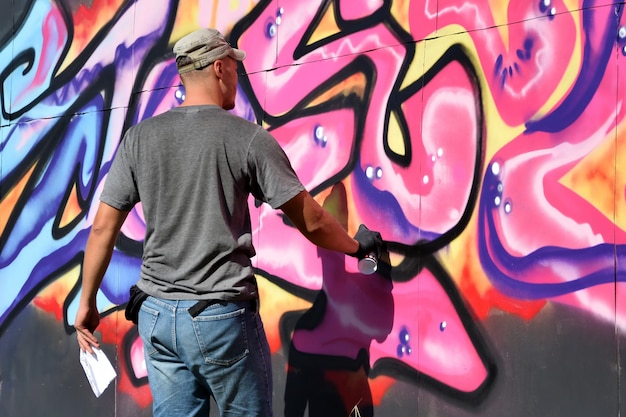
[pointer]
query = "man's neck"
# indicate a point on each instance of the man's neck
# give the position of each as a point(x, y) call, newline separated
point(190, 101)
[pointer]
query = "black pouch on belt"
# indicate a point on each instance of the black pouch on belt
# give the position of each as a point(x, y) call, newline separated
point(135, 300)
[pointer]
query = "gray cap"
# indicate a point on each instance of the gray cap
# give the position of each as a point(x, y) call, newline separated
point(204, 46)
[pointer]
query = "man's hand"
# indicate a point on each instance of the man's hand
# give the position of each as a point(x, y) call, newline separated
point(369, 242)
point(87, 319)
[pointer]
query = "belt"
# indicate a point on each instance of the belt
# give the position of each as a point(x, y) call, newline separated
point(202, 305)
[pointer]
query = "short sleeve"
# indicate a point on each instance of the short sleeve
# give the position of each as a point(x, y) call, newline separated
point(272, 178)
point(120, 188)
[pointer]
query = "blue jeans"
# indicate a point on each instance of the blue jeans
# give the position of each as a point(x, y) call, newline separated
point(222, 352)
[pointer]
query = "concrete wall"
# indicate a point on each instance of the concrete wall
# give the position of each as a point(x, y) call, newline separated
point(486, 142)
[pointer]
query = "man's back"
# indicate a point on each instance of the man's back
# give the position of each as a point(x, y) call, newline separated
point(193, 169)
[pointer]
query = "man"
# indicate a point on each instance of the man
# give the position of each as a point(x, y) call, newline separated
point(193, 168)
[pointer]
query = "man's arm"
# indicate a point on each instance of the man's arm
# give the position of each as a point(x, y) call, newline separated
point(100, 244)
point(318, 225)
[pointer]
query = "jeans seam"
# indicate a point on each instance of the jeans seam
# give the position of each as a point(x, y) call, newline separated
point(262, 352)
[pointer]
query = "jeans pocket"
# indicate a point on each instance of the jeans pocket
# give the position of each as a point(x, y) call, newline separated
point(146, 327)
point(222, 336)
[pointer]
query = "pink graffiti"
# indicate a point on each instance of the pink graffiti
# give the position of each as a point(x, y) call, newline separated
point(533, 55)
point(432, 191)
point(348, 326)
point(431, 336)
point(536, 211)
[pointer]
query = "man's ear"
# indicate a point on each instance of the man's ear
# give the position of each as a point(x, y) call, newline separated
point(218, 67)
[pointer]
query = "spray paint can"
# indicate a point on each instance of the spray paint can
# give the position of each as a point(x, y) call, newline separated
point(368, 264)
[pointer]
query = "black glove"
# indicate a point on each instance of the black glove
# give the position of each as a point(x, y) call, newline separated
point(369, 242)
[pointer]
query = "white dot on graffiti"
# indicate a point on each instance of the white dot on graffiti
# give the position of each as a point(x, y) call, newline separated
point(369, 172)
point(440, 152)
point(497, 201)
point(433, 158)
point(319, 132)
point(546, 3)
point(271, 30)
point(379, 172)
point(319, 136)
point(622, 32)
point(425, 179)
point(507, 208)
point(495, 168)
point(553, 11)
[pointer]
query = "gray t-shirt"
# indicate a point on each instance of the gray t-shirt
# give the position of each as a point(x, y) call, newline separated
point(193, 169)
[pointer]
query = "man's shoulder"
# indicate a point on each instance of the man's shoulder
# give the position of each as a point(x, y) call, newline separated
point(151, 121)
point(217, 117)
point(237, 124)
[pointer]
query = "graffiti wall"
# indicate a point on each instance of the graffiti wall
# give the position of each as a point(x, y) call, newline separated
point(484, 139)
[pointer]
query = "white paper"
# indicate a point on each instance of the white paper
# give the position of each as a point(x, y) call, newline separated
point(98, 370)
